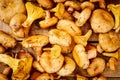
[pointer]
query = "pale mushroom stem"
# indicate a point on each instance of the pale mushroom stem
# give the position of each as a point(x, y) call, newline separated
point(115, 55)
point(47, 15)
point(38, 51)
point(70, 9)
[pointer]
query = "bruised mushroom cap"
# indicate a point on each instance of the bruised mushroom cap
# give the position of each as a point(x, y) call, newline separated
point(8, 8)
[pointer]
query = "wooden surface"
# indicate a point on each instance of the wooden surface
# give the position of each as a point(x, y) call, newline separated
point(110, 73)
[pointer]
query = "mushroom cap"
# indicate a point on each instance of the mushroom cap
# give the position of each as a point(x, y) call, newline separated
point(69, 26)
point(9, 8)
point(110, 41)
point(80, 56)
point(101, 21)
point(50, 64)
point(35, 41)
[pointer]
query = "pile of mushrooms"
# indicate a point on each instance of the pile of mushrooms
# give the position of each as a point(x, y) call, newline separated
point(60, 46)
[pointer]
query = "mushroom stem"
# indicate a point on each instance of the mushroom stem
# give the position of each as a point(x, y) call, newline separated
point(83, 39)
point(115, 55)
point(47, 15)
point(55, 50)
point(83, 16)
point(115, 9)
point(38, 52)
point(49, 21)
point(59, 10)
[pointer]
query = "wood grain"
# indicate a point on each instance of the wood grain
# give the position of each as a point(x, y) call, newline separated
point(110, 73)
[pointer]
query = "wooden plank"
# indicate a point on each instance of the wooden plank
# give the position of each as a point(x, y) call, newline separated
point(113, 78)
point(111, 73)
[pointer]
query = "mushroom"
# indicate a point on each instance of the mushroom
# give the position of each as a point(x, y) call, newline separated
point(101, 77)
point(7, 71)
point(6, 40)
point(67, 16)
point(70, 10)
point(99, 49)
point(34, 75)
point(8, 8)
point(101, 21)
point(109, 41)
point(2, 49)
point(80, 56)
point(21, 67)
point(62, 39)
point(82, 39)
point(68, 49)
point(115, 54)
point(87, 4)
point(48, 21)
point(67, 68)
point(115, 9)
point(37, 66)
point(45, 3)
point(59, 37)
point(22, 54)
point(52, 60)
point(83, 16)
point(45, 76)
point(112, 63)
point(16, 25)
point(3, 77)
point(79, 77)
point(69, 26)
point(96, 67)
point(91, 51)
point(72, 4)
point(36, 42)
point(59, 10)
point(33, 13)
point(101, 3)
